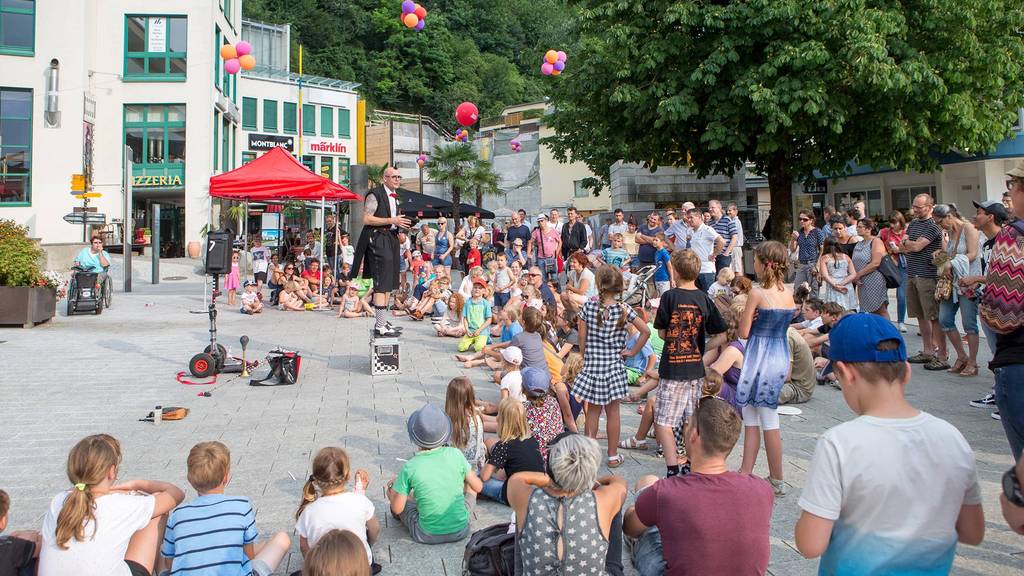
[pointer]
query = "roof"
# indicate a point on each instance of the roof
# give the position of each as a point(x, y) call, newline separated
point(266, 73)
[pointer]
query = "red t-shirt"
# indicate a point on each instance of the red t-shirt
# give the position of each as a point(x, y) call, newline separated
point(473, 258)
point(710, 524)
point(313, 277)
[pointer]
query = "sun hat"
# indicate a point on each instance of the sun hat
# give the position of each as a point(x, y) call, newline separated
point(512, 355)
point(856, 337)
point(1018, 170)
point(993, 208)
point(429, 427)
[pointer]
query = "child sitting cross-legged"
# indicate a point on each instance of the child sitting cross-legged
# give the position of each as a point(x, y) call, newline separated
point(436, 489)
point(491, 354)
point(338, 553)
point(216, 534)
point(516, 450)
point(450, 324)
point(251, 303)
point(327, 504)
point(352, 306)
point(19, 550)
point(476, 317)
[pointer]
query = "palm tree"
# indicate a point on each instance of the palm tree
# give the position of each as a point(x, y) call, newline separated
point(450, 165)
point(375, 173)
point(482, 181)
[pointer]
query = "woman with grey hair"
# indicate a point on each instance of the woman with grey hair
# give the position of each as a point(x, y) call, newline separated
point(963, 246)
point(568, 520)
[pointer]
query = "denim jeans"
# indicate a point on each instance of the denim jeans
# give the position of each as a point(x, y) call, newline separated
point(648, 557)
point(722, 261)
point(1010, 399)
point(492, 489)
point(705, 280)
point(968, 314)
point(547, 265)
point(901, 293)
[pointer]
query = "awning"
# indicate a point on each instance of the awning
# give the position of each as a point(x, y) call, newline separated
point(276, 175)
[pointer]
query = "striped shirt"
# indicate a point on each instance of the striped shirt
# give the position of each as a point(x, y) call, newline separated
point(919, 264)
point(206, 536)
point(726, 228)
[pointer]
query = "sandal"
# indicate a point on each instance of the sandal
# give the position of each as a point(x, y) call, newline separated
point(937, 364)
point(969, 370)
point(632, 443)
point(958, 366)
point(616, 461)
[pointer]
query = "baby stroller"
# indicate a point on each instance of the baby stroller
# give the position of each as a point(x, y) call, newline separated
point(641, 287)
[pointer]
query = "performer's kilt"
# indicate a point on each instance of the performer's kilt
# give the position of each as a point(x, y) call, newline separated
point(382, 259)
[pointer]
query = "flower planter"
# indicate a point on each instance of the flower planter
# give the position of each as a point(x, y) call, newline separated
point(193, 250)
point(26, 305)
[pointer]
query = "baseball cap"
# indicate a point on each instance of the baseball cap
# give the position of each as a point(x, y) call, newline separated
point(994, 208)
point(248, 283)
point(536, 381)
point(429, 427)
point(416, 254)
point(542, 216)
point(1018, 170)
point(512, 355)
point(856, 337)
point(480, 282)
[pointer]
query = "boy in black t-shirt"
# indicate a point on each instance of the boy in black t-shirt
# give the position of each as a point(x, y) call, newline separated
point(19, 551)
point(685, 314)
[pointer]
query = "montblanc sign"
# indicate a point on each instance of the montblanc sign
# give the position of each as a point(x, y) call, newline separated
point(264, 142)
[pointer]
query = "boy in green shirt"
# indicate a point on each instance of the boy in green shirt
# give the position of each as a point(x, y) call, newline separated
point(436, 489)
point(476, 317)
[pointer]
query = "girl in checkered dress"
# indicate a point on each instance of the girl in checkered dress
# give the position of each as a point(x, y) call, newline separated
point(602, 338)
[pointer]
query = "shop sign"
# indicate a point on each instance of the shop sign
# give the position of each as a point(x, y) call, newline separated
point(326, 146)
point(157, 34)
point(264, 142)
point(819, 187)
point(155, 181)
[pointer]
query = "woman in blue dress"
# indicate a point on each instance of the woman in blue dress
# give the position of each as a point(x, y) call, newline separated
point(768, 313)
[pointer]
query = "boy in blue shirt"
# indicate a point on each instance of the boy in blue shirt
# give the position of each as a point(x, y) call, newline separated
point(662, 280)
point(476, 317)
point(215, 534)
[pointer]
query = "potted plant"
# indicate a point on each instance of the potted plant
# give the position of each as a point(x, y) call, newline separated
point(27, 295)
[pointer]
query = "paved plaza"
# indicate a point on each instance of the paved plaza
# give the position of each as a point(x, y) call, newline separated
point(88, 374)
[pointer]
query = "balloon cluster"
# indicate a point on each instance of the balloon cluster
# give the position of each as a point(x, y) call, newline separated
point(413, 15)
point(421, 160)
point(516, 145)
point(462, 135)
point(237, 57)
point(554, 63)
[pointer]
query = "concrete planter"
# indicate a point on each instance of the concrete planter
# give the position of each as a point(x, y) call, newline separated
point(27, 306)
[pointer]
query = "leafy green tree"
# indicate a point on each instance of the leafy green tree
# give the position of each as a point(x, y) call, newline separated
point(482, 181)
point(450, 164)
point(792, 86)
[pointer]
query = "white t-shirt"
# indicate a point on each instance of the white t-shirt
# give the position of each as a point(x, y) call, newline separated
point(702, 242)
point(260, 259)
point(345, 511)
point(118, 517)
point(894, 488)
point(348, 254)
point(739, 232)
point(812, 324)
point(513, 382)
point(614, 229)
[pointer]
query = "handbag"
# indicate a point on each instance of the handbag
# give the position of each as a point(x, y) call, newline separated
point(890, 272)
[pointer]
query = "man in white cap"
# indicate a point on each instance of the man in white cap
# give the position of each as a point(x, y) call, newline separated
point(544, 246)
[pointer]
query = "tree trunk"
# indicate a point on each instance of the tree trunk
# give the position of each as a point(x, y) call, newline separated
point(780, 187)
point(456, 200)
point(479, 198)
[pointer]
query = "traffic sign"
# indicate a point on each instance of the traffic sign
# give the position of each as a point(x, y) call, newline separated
point(85, 218)
point(82, 196)
point(85, 209)
point(78, 182)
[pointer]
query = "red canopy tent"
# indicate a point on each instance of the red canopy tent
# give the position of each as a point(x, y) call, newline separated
point(277, 175)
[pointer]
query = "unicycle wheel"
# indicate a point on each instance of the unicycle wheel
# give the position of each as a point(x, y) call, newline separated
point(222, 354)
point(202, 365)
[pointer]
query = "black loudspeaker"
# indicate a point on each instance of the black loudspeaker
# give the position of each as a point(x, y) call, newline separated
point(218, 253)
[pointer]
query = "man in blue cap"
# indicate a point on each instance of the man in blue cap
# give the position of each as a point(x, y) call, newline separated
point(896, 488)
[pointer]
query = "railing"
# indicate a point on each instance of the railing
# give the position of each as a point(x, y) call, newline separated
point(380, 116)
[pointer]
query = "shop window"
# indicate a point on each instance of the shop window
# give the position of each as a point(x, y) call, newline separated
point(270, 115)
point(248, 157)
point(343, 171)
point(289, 118)
point(309, 119)
point(155, 47)
point(872, 201)
point(156, 135)
point(344, 123)
point(15, 147)
point(327, 167)
point(309, 162)
point(903, 198)
point(17, 27)
point(327, 121)
point(249, 113)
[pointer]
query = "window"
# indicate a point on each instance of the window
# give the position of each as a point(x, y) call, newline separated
point(903, 198)
point(289, 118)
point(216, 139)
point(15, 147)
point(270, 115)
point(579, 190)
point(156, 135)
point(309, 119)
point(344, 123)
point(343, 171)
point(249, 113)
point(326, 121)
point(309, 162)
point(248, 157)
point(155, 47)
point(327, 167)
point(225, 150)
point(17, 27)
point(217, 64)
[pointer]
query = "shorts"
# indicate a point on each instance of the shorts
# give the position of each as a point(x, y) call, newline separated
point(921, 302)
point(443, 261)
point(410, 518)
point(662, 286)
point(766, 418)
point(475, 342)
point(137, 569)
point(676, 401)
point(501, 300)
point(260, 277)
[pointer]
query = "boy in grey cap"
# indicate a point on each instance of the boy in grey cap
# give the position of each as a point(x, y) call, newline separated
point(436, 489)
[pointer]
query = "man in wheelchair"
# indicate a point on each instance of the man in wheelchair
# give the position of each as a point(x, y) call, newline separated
point(94, 259)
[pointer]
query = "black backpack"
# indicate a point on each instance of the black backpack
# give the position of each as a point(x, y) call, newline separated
point(490, 552)
point(283, 368)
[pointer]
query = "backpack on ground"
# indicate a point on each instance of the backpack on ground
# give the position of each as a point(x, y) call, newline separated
point(490, 552)
point(283, 368)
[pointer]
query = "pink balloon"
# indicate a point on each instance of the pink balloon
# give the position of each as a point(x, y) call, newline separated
point(232, 66)
point(546, 68)
point(561, 56)
point(243, 48)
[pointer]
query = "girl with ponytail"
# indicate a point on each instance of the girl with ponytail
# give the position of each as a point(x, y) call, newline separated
point(328, 505)
point(99, 528)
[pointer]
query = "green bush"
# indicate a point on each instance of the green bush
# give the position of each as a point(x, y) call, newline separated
point(19, 256)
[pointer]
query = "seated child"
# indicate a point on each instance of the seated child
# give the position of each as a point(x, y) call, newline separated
point(512, 379)
point(643, 361)
point(476, 317)
point(328, 505)
point(20, 550)
point(466, 287)
point(430, 297)
point(543, 412)
point(741, 285)
point(723, 283)
point(338, 553)
point(516, 450)
point(473, 256)
point(251, 303)
point(435, 491)
point(216, 534)
point(451, 323)
point(491, 354)
point(462, 408)
point(812, 316)
point(352, 306)
point(417, 264)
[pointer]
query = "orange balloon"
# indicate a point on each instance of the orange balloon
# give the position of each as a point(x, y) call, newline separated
point(228, 52)
point(555, 72)
point(411, 20)
point(551, 56)
point(248, 62)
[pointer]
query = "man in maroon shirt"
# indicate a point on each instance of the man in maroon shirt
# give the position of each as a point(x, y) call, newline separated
point(709, 522)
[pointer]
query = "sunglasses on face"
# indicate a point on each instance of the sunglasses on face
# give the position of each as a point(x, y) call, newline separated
point(533, 274)
point(805, 219)
point(1011, 182)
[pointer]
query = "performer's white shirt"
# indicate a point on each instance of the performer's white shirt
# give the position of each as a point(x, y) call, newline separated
point(392, 201)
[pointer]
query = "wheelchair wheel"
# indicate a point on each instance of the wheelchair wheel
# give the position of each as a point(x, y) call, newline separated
point(222, 354)
point(202, 365)
point(99, 306)
point(108, 291)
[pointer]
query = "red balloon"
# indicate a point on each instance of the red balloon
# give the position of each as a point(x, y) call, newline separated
point(420, 11)
point(467, 114)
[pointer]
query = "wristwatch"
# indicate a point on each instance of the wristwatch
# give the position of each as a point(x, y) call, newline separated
point(1011, 488)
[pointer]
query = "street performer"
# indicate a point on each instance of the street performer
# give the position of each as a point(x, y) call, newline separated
point(377, 250)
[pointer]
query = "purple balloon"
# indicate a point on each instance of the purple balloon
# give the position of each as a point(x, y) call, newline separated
point(561, 56)
point(408, 6)
point(546, 68)
point(419, 25)
point(559, 65)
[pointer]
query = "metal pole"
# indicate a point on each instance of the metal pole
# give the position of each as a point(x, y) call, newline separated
point(323, 223)
point(245, 241)
point(129, 223)
point(155, 248)
point(419, 126)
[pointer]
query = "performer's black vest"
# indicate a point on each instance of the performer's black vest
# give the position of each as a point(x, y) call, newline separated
point(383, 205)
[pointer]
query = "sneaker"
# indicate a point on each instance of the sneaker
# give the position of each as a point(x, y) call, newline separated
point(392, 327)
point(995, 415)
point(987, 401)
point(921, 358)
point(385, 333)
point(903, 328)
point(778, 486)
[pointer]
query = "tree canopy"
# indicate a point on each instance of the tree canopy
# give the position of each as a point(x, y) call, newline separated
point(484, 52)
point(792, 86)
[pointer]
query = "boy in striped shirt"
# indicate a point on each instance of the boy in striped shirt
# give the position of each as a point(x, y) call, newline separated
point(215, 534)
